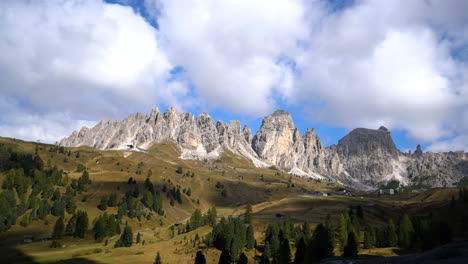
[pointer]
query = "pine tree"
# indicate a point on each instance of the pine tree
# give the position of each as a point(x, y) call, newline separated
point(351, 248)
point(243, 259)
point(112, 202)
point(369, 237)
point(211, 216)
point(285, 252)
point(359, 212)
point(343, 229)
point(138, 238)
point(81, 224)
point(307, 231)
point(103, 204)
point(225, 257)
point(58, 228)
point(158, 259)
point(406, 232)
point(392, 237)
point(196, 220)
point(264, 259)
point(99, 229)
point(300, 251)
point(250, 238)
point(200, 258)
point(126, 238)
point(321, 246)
point(248, 214)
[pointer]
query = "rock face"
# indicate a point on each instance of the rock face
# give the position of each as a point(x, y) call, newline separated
point(364, 159)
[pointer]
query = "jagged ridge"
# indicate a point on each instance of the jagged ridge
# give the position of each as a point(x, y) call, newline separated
point(364, 159)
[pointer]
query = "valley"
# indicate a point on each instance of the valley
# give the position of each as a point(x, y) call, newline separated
point(228, 183)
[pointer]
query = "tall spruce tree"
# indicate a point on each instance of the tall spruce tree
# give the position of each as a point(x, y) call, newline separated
point(243, 259)
point(225, 257)
point(58, 229)
point(351, 248)
point(81, 224)
point(343, 231)
point(284, 255)
point(99, 229)
point(158, 260)
point(300, 251)
point(250, 243)
point(369, 236)
point(406, 232)
point(200, 258)
point(248, 214)
point(392, 237)
point(307, 231)
point(126, 238)
point(138, 238)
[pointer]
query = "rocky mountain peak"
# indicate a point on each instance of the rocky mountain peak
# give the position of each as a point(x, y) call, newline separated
point(363, 158)
point(418, 152)
point(363, 141)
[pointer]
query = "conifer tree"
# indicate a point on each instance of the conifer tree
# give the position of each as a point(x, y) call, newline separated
point(264, 259)
point(81, 224)
point(99, 229)
point(103, 204)
point(300, 251)
point(250, 238)
point(392, 237)
point(211, 216)
point(369, 236)
point(320, 246)
point(330, 228)
point(58, 228)
point(307, 231)
point(225, 257)
point(112, 202)
point(243, 259)
point(284, 255)
point(126, 238)
point(343, 229)
point(405, 232)
point(158, 259)
point(351, 248)
point(248, 214)
point(138, 238)
point(200, 258)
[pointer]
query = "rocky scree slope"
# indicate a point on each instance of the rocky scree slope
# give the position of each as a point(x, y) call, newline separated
point(364, 159)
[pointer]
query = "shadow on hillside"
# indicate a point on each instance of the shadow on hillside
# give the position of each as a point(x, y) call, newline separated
point(12, 255)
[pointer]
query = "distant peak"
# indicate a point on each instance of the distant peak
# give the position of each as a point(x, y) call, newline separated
point(280, 112)
point(382, 128)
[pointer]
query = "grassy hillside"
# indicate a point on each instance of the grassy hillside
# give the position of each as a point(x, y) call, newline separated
point(227, 184)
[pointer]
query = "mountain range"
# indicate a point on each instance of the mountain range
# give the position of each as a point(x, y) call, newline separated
point(364, 159)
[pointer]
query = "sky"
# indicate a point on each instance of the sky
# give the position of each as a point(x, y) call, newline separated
point(334, 65)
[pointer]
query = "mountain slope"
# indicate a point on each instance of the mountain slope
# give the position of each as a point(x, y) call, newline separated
point(363, 159)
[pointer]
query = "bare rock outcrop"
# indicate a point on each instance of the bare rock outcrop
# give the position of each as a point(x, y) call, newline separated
point(365, 158)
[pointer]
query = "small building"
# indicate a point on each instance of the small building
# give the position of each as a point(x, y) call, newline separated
point(321, 194)
point(343, 192)
point(28, 239)
point(46, 238)
point(386, 191)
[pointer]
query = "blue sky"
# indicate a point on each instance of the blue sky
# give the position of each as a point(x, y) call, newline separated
point(334, 65)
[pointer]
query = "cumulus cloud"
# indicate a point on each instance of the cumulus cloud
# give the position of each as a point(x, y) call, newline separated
point(402, 64)
point(234, 51)
point(386, 63)
point(88, 58)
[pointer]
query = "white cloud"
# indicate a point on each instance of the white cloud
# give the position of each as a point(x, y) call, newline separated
point(89, 58)
point(231, 49)
point(375, 63)
point(384, 63)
